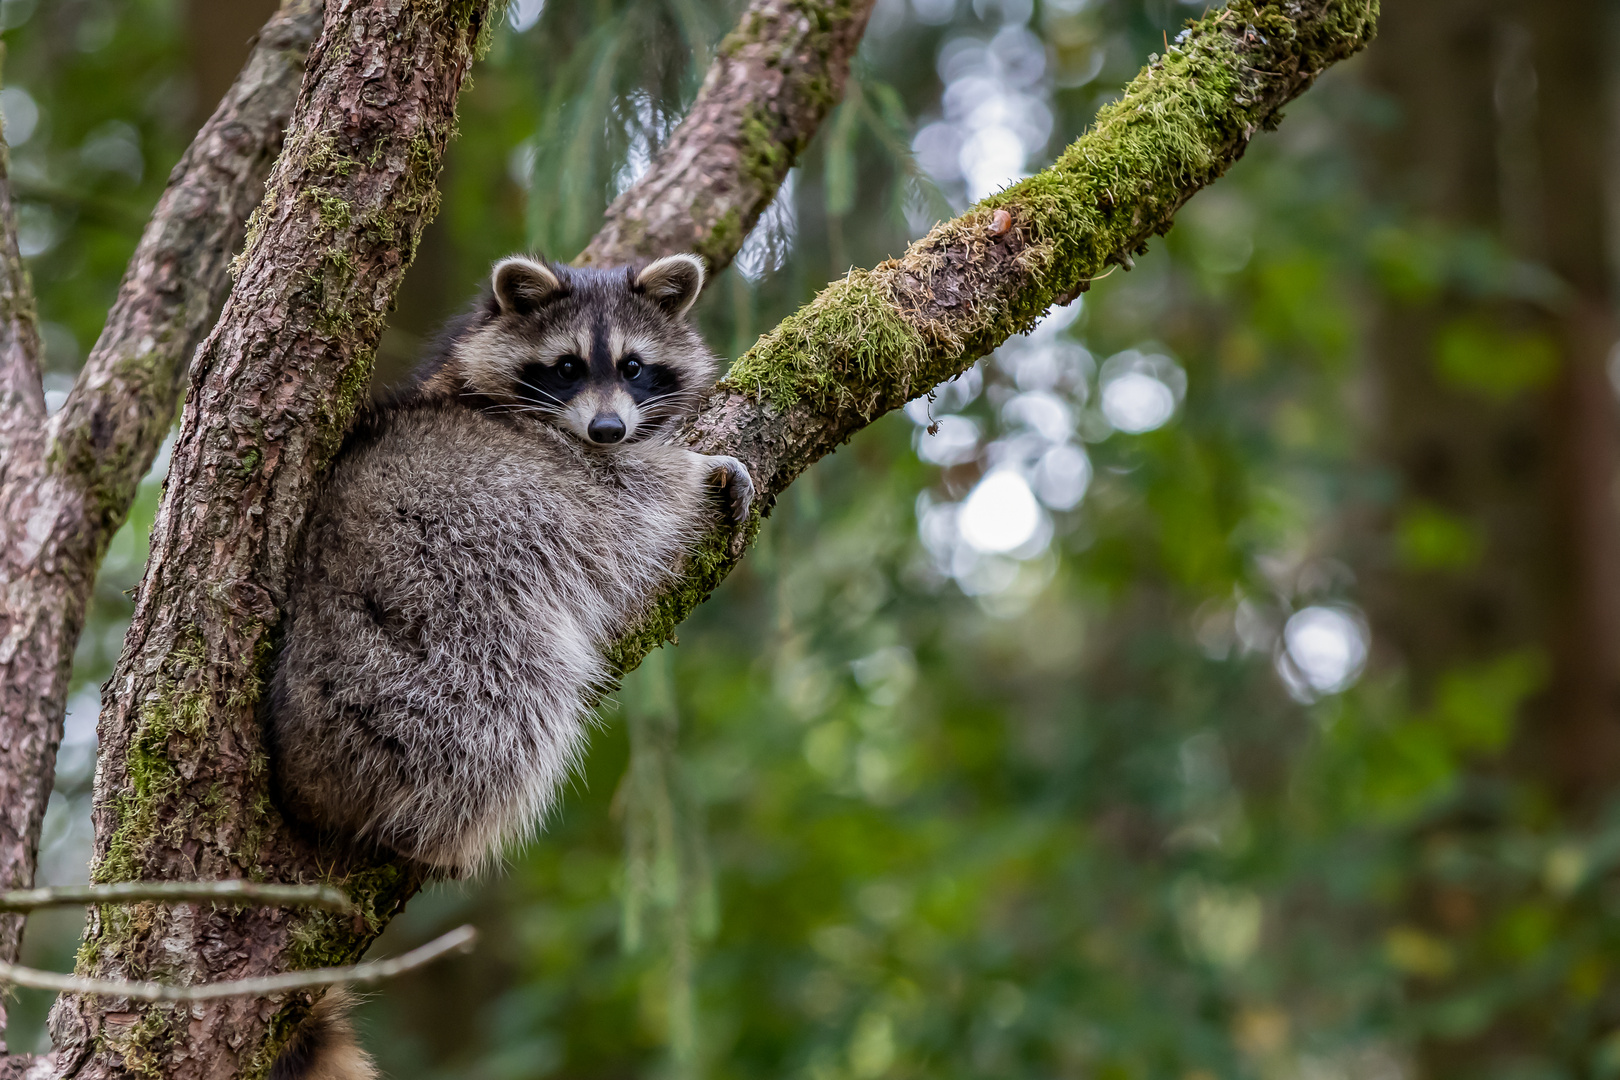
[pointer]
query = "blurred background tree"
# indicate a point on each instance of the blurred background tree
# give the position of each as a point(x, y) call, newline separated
point(1217, 682)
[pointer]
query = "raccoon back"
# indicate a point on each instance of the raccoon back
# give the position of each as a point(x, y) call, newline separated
point(461, 576)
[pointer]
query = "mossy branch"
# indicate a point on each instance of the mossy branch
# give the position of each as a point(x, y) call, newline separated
point(876, 338)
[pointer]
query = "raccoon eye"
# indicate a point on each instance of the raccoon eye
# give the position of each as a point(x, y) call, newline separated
point(631, 368)
point(571, 368)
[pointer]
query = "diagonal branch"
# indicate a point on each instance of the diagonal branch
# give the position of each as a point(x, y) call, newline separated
point(66, 486)
point(877, 338)
point(773, 82)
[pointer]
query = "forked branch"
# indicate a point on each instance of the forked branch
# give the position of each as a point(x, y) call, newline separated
point(277, 382)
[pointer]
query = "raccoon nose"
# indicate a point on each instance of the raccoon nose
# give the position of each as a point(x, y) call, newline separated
point(605, 428)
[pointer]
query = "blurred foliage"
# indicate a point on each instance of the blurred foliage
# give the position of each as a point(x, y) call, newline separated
point(1075, 773)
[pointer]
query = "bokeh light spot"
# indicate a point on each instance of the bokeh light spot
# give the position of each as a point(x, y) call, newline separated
point(1001, 514)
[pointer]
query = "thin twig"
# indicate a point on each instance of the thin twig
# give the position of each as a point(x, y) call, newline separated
point(458, 940)
point(180, 892)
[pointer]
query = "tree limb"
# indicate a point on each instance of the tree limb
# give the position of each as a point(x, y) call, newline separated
point(66, 486)
point(772, 83)
point(22, 395)
point(460, 940)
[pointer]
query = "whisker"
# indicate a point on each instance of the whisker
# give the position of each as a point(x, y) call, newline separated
point(516, 407)
point(542, 393)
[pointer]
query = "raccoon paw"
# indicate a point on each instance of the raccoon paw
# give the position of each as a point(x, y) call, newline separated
point(736, 487)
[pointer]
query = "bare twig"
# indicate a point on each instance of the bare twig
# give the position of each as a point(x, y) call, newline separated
point(460, 939)
point(22, 446)
point(180, 892)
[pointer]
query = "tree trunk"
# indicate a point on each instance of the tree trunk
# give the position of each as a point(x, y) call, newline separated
point(28, 737)
point(181, 785)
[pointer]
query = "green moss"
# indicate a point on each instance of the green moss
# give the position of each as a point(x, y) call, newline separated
point(334, 212)
point(255, 230)
point(170, 721)
point(322, 156)
point(89, 951)
point(723, 239)
point(742, 37)
point(486, 32)
point(108, 475)
point(1179, 125)
point(849, 336)
point(283, 1025)
point(141, 1046)
point(763, 157)
point(706, 568)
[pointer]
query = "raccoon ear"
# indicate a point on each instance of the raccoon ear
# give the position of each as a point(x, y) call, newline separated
point(673, 282)
point(522, 285)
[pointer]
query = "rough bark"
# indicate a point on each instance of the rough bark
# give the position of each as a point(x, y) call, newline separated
point(66, 486)
point(772, 83)
point(26, 747)
point(181, 785)
point(22, 396)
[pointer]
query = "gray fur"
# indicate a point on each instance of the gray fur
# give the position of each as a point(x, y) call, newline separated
point(472, 555)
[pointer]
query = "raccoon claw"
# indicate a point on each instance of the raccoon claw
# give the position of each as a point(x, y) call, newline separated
point(735, 484)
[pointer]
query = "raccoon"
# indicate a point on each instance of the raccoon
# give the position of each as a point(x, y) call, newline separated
point(480, 541)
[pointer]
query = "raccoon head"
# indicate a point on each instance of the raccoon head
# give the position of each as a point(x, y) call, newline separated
point(607, 355)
